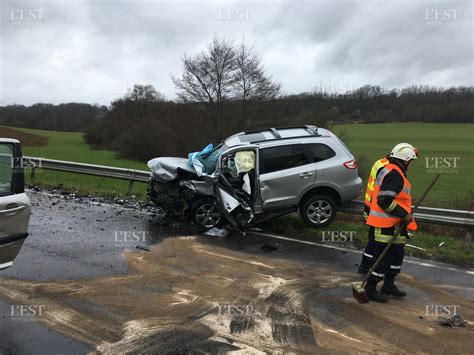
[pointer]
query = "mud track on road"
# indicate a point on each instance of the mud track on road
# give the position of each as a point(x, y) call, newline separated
point(192, 294)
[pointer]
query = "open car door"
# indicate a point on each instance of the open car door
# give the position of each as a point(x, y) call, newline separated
point(236, 187)
point(15, 207)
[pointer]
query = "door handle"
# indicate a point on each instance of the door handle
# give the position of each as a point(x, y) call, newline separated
point(13, 211)
point(306, 174)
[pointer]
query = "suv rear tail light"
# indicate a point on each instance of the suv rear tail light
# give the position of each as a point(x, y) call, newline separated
point(351, 164)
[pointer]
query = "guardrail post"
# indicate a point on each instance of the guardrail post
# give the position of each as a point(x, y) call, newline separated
point(32, 173)
point(468, 236)
point(130, 186)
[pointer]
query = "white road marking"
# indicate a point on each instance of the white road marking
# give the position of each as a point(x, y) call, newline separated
point(356, 251)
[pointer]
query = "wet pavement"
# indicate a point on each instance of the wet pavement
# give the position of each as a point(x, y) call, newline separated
point(101, 293)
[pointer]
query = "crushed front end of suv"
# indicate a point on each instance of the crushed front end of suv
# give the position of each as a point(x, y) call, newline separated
point(256, 176)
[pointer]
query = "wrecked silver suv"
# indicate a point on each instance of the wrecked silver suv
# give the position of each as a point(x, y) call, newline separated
point(255, 176)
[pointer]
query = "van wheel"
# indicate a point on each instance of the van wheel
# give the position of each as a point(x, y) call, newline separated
point(205, 214)
point(318, 210)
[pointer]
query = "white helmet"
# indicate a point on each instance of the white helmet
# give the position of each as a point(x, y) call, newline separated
point(404, 151)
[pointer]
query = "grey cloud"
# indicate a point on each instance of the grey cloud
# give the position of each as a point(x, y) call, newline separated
point(92, 51)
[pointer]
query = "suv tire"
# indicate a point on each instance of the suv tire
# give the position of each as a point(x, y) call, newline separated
point(204, 213)
point(318, 210)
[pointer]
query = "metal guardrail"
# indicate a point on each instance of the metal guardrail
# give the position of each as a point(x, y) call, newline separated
point(131, 175)
point(439, 216)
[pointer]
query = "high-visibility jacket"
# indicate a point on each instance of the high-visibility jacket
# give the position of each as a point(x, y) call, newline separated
point(373, 175)
point(380, 218)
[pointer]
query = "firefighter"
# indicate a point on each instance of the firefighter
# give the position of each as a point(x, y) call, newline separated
point(368, 254)
point(390, 206)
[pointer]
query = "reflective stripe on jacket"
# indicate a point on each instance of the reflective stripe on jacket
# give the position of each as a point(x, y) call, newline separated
point(373, 175)
point(380, 218)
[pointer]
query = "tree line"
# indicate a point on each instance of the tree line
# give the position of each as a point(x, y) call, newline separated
point(223, 90)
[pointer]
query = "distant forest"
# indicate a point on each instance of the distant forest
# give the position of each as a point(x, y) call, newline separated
point(142, 124)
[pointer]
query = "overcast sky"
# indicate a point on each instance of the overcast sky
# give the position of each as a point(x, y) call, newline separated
point(84, 51)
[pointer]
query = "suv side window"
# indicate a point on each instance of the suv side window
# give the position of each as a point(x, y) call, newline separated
point(319, 152)
point(281, 158)
point(6, 170)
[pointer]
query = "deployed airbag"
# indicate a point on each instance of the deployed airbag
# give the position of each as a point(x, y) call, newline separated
point(244, 161)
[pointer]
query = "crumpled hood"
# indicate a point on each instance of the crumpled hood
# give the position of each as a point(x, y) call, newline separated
point(166, 169)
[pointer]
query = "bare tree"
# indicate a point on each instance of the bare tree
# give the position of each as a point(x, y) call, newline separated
point(224, 73)
point(251, 82)
point(208, 78)
point(144, 98)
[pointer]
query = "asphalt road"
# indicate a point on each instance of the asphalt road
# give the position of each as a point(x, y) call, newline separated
point(88, 288)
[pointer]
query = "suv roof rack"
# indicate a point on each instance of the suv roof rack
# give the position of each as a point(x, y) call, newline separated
point(311, 129)
point(275, 132)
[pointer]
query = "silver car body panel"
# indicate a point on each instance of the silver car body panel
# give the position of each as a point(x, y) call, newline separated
point(13, 226)
point(15, 210)
point(203, 187)
point(284, 187)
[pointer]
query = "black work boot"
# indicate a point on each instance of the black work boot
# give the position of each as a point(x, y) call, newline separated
point(371, 290)
point(390, 289)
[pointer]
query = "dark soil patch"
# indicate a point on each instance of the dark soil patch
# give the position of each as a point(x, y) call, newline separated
point(26, 139)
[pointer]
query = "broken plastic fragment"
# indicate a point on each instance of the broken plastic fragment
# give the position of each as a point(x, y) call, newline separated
point(217, 232)
point(454, 321)
point(142, 247)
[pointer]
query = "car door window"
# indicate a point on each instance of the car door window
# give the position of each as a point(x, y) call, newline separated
point(319, 152)
point(300, 156)
point(281, 158)
point(6, 170)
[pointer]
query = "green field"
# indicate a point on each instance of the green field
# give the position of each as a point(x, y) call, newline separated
point(433, 140)
point(72, 147)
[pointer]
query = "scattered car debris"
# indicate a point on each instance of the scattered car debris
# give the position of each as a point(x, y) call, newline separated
point(454, 321)
point(217, 232)
point(270, 247)
point(142, 247)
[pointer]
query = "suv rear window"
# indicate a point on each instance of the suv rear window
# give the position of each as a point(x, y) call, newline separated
point(281, 158)
point(319, 152)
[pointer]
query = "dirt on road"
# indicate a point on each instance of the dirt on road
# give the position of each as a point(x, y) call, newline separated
point(193, 294)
